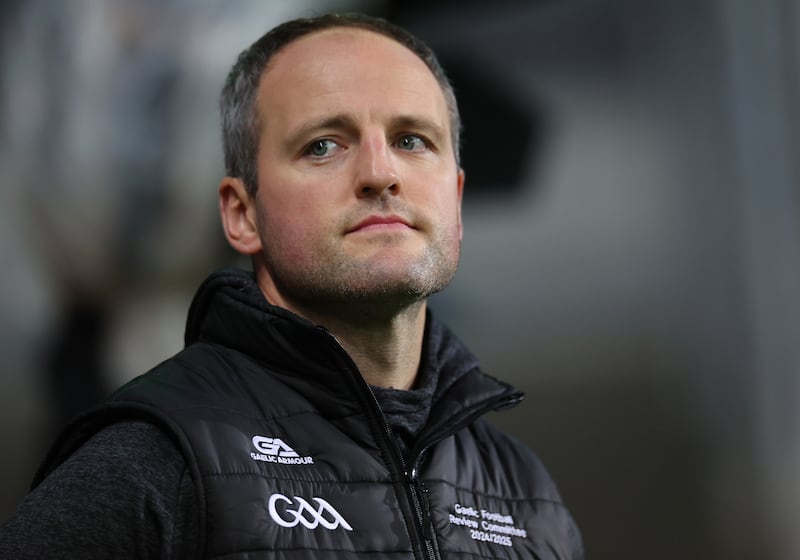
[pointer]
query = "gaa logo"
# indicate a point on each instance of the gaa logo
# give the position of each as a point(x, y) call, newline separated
point(273, 446)
point(291, 512)
point(275, 450)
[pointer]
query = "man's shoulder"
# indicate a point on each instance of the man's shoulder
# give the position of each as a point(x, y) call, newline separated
point(502, 441)
point(118, 457)
point(129, 446)
point(517, 461)
point(120, 491)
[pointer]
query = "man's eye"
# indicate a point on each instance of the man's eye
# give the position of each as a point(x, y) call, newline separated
point(412, 143)
point(321, 148)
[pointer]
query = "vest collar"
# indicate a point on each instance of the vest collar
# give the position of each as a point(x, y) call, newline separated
point(230, 309)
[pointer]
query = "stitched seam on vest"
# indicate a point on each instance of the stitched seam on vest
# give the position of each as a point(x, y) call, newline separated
point(475, 554)
point(488, 495)
point(248, 416)
point(405, 551)
point(296, 479)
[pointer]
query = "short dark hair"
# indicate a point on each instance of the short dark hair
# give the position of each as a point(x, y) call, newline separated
point(241, 123)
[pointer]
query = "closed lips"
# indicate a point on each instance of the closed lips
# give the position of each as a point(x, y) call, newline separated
point(380, 222)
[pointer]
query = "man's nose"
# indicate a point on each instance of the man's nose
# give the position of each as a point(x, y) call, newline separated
point(377, 168)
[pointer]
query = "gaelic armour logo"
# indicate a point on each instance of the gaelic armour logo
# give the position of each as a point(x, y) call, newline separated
point(274, 450)
point(288, 512)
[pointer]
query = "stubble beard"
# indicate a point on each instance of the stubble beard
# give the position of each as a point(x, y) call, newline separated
point(345, 285)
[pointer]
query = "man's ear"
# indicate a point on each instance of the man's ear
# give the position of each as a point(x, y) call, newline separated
point(238, 212)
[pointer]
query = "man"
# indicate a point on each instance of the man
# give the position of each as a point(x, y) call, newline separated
point(318, 409)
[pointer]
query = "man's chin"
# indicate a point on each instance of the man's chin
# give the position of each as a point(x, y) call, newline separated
point(399, 286)
point(388, 282)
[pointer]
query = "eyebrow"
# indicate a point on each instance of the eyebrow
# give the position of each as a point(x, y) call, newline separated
point(423, 124)
point(340, 122)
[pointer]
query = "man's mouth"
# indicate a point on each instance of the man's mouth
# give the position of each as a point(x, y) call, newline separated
point(376, 222)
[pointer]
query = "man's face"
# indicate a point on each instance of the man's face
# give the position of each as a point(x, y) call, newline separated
point(359, 194)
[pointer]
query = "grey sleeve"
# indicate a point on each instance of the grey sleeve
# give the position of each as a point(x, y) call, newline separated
point(126, 493)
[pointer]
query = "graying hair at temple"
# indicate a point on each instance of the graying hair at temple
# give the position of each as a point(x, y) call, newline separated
point(241, 122)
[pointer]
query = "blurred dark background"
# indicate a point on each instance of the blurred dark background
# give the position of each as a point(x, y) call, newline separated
point(631, 257)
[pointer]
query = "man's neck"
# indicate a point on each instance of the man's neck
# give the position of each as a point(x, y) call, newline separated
point(387, 353)
point(385, 344)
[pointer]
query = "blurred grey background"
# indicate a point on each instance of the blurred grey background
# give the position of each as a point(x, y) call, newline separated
point(630, 258)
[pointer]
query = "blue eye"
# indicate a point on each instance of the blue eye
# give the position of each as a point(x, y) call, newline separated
point(321, 148)
point(411, 143)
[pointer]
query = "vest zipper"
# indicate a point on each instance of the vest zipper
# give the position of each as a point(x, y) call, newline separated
point(418, 516)
point(423, 508)
point(418, 487)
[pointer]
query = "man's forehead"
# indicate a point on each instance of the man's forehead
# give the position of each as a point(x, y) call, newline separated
point(317, 48)
point(342, 66)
